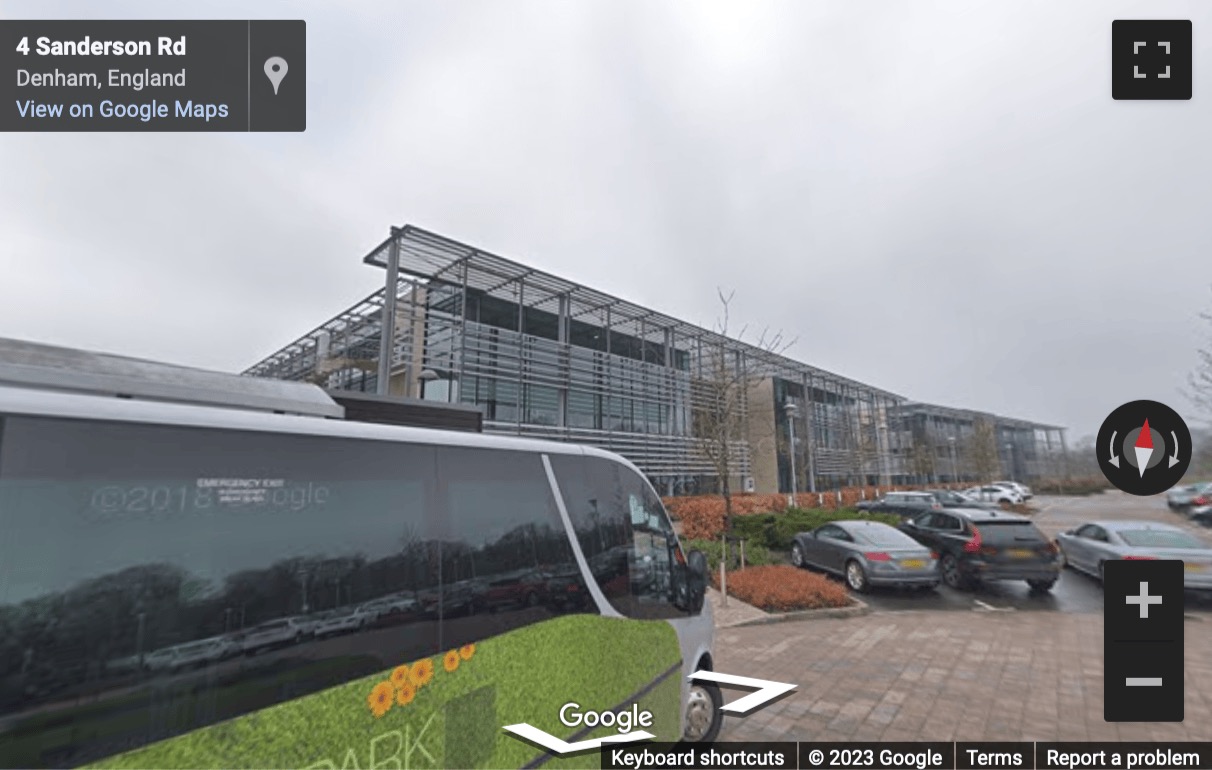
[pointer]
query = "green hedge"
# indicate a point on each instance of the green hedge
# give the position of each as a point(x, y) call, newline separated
point(775, 531)
point(756, 554)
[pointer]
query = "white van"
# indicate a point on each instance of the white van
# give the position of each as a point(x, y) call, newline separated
point(127, 524)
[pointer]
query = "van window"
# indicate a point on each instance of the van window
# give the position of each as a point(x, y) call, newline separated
point(506, 557)
point(624, 533)
point(120, 540)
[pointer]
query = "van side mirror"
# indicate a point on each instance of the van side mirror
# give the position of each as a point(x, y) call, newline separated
point(696, 567)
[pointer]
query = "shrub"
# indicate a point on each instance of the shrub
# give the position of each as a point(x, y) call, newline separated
point(776, 531)
point(756, 554)
point(782, 588)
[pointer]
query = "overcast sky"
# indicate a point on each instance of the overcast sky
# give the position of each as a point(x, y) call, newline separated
point(939, 199)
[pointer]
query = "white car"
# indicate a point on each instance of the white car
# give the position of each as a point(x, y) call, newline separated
point(190, 654)
point(995, 494)
point(342, 621)
point(275, 633)
point(1022, 489)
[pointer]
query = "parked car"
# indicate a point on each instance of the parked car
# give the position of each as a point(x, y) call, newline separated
point(340, 621)
point(949, 499)
point(977, 545)
point(521, 589)
point(565, 590)
point(1023, 490)
point(1088, 547)
point(901, 503)
point(1201, 512)
point(189, 655)
point(1182, 499)
point(866, 553)
point(994, 494)
point(275, 633)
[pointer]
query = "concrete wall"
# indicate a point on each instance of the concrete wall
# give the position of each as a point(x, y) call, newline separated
point(762, 438)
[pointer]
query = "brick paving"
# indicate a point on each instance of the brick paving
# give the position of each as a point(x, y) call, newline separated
point(945, 675)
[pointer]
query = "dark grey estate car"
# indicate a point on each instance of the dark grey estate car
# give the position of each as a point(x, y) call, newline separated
point(977, 545)
point(866, 553)
point(901, 503)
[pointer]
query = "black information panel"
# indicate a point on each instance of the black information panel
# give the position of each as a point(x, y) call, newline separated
point(153, 75)
point(1143, 641)
point(924, 755)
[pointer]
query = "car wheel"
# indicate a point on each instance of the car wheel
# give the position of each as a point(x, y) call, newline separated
point(797, 556)
point(856, 578)
point(950, 568)
point(1041, 586)
point(704, 713)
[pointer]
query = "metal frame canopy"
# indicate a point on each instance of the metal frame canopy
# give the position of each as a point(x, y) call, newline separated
point(912, 407)
point(31, 364)
point(441, 260)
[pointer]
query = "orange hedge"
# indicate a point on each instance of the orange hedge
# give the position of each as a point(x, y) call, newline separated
point(782, 588)
point(702, 516)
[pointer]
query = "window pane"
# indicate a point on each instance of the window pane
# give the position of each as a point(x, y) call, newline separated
point(624, 533)
point(506, 559)
point(124, 545)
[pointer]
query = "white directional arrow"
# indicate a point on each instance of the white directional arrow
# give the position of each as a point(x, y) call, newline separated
point(558, 746)
point(1114, 457)
point(766, 690)
point(1174, 457)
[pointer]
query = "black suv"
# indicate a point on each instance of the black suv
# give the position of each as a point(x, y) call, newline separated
point(977, 545)
point(901, 503)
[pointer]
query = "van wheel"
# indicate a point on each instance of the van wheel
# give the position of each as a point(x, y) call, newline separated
point(704, 714)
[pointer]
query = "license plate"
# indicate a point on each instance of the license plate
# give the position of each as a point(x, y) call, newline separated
point(1194, 567)
point(913, 563)
point(1020, 553)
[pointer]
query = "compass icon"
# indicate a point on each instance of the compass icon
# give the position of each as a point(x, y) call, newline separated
point(1144, 447)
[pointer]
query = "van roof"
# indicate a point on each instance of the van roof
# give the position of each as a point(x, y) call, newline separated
point(53, 368)
point(77, 406)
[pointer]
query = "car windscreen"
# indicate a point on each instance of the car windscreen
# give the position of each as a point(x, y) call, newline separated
point(882, 536)
point(1003, 532)
point(1159, 538)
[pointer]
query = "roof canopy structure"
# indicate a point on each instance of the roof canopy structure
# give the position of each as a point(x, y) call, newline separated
point(437, 259)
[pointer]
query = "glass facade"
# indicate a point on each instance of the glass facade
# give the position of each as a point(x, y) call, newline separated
point(543, 356)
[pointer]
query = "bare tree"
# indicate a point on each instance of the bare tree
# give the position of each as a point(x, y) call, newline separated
point(721, 396)
point(981, 450)
point(921, 460)
point(863, 449)
point(1199, 382)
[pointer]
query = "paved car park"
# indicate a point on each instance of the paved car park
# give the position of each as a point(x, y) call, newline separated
point(993, 664)
point(1074, 591)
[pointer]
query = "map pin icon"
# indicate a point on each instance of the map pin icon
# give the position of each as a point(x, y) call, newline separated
point(275, 70)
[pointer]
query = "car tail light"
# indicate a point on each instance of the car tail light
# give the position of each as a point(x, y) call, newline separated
point(936, 505)
point(1200, 501)
point(877, 556)
point(934, 555)
point(573, 588)
point(1051, 548)
point(974, 545)
point(1140, 558)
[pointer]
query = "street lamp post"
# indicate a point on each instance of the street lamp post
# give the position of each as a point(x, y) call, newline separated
point(790, 410)
point(954, 472)
point(426, 375)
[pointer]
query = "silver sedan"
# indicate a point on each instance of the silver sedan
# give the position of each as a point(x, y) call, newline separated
point(866, 553)
point(1088, 547)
